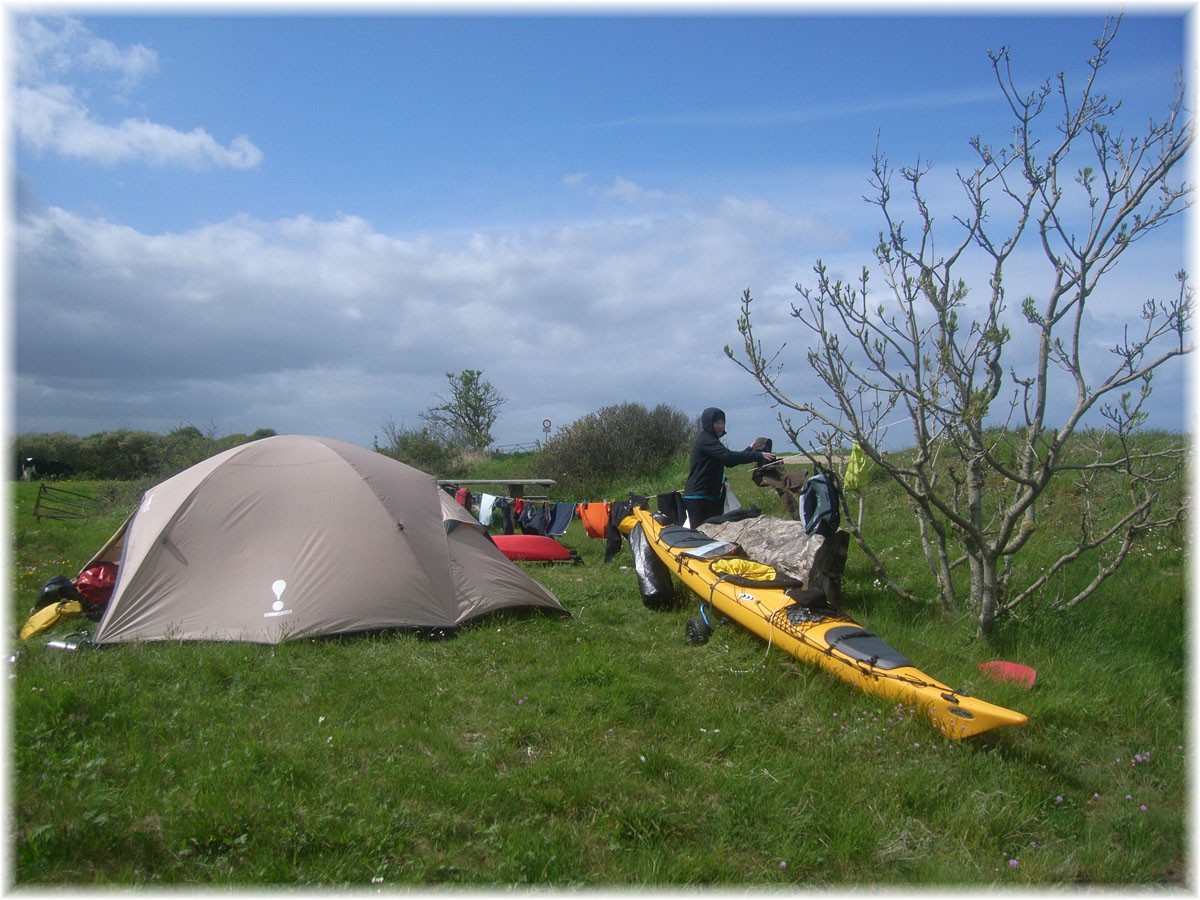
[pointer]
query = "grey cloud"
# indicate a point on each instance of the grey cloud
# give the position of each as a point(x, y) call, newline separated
point(332, 323)
point(332, 327)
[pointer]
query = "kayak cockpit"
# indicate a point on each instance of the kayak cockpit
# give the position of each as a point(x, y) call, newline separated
point(862, 645)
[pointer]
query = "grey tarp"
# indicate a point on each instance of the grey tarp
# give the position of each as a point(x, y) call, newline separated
point(293, 536)
point(784, 545)
point(780, 543)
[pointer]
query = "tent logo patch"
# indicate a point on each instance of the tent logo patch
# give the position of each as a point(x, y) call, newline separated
point(277, 588)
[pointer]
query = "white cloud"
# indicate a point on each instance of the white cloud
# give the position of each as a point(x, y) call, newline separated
point(51, 119)
point(311, 324)
point(755, 118)
point(622, 190)
point(629, 192)
point(48, 49)
point(57, 62)
point(332, 327)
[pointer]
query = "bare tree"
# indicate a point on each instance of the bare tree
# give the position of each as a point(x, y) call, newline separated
point(985, 450)
point(470, 412)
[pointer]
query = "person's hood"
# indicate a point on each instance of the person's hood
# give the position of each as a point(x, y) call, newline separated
point(709, 416)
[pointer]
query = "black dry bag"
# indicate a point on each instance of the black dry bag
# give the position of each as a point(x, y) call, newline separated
point(819, 504)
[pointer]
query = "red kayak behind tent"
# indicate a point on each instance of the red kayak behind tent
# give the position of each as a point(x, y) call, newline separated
point(533, 548)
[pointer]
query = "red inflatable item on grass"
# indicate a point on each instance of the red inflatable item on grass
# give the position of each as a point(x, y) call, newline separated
point(1010, 671)
point(531, 547)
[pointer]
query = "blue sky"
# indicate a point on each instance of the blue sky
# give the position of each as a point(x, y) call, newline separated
point(302, 221)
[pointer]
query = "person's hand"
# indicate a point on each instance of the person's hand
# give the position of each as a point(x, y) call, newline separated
point(769, 457)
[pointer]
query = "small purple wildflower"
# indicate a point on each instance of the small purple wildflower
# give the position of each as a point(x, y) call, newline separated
point(1014, 864)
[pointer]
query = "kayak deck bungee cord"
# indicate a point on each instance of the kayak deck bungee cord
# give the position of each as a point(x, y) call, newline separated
point(800, 621)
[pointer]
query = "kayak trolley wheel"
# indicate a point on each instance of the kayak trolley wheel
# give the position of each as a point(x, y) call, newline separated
point(697, 630)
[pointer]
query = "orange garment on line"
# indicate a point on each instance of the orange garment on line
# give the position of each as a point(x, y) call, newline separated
point(595, 517)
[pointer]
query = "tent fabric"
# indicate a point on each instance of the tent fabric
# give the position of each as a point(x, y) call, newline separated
point(294, 536)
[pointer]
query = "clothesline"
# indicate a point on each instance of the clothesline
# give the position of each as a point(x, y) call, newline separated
point(600, 518)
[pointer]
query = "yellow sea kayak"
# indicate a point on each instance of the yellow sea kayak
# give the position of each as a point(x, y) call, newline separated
point(804, 624)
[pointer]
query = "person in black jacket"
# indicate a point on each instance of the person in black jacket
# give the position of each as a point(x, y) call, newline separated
point(702, 495)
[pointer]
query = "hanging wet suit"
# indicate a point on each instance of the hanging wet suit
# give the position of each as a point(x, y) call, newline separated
point(533, 519)
point(559, 518)
point(671, 506)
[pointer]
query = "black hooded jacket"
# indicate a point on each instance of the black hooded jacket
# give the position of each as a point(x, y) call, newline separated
point(710, 458)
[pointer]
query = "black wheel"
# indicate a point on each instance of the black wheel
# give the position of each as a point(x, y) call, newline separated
point(697, 631)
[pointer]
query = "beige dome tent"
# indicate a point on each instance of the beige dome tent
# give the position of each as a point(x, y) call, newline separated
point(292, 537)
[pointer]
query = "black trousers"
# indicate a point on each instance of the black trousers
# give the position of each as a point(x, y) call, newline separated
point(701, 509)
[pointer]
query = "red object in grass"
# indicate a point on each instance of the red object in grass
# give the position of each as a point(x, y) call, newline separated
point(1010, 671)
point(531, 547)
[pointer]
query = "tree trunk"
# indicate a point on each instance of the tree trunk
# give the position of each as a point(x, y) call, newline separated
point(984, 591)
point(983, 558)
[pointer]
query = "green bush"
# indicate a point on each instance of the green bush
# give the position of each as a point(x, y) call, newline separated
point(615, 442)
point(127, 455)
point(429, 449)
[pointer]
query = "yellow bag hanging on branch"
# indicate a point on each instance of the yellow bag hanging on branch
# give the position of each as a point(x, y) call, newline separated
point(856, 470)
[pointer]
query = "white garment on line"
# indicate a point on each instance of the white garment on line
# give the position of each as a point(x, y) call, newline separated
point(487, 502)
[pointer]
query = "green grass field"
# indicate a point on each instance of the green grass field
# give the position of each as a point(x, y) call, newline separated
point(599, 750)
